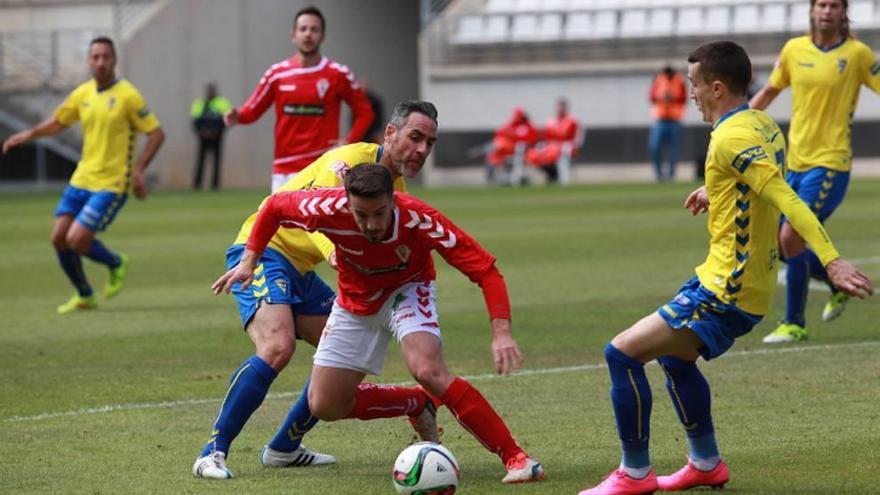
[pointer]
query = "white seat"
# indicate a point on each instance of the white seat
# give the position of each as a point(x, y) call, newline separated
point(528, 6)
point(773, 17)
point(497, 28)
point(717, 20)
point(555, 5)
point(581, 5)
point(500, 6)
point(470, 30)
point(550, 27)
point(745, 19)
point(799, 17)
point(606, 4)
point(604, 24)
point(578, 25)
point(633, 23)
point(690, 21)
point(861, 12)
point(525, 27)
point(661, 22)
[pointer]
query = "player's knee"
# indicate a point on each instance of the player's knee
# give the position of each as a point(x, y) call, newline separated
point(78, 243)
point(326, 408)
point(277, 352)
point(434, 377)
point(58, 240)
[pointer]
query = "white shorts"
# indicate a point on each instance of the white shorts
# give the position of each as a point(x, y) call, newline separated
point(279, 180)
point(360, 343)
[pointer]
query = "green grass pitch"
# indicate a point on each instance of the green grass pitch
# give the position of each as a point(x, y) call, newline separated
point(119, 400)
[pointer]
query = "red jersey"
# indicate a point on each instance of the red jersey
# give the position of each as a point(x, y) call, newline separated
point(370, 272)
point(307, 104)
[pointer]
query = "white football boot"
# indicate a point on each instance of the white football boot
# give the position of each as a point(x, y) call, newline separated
point(301, 457)
point(212, 466)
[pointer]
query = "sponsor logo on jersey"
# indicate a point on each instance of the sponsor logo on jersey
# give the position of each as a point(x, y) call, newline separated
point(322, 86)
point(379, 270)
point(355, 252)
point(287, 87)
point(303, 109)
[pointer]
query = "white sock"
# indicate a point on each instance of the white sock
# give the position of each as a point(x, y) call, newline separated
point(636, 473)
point(706, 464)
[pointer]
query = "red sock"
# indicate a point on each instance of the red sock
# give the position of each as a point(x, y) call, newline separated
point(476, 415)
point(386, 401)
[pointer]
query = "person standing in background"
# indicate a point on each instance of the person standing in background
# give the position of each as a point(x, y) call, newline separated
point(668, 97)
point(207, 116)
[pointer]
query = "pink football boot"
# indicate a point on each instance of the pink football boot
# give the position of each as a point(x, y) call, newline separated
point(690, 477)
point(618, 483)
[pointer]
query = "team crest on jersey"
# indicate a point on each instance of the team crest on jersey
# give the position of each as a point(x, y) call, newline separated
point(340, 168)
point(282, 284)
point(841, 64)
point(322, 86)
point(403, 251)
point(111, 102)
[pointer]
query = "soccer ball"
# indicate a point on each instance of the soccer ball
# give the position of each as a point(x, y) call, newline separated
point(426, 468)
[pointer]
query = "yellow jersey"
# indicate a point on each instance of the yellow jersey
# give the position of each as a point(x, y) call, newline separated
point(303, 249)
point(110, 119)
point(746, 150)
point(825, 87)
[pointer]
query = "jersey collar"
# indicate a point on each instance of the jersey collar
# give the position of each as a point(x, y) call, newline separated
point(105, 88)
point(832, 47)
point(744, 106)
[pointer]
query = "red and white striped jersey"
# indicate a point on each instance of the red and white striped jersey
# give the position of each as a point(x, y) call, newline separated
point(370, 272)
point(307, 104)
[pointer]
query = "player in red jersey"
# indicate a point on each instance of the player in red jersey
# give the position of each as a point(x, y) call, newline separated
point(308, 90)
point(386, 289)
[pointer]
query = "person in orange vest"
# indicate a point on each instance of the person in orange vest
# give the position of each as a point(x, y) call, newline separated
point(560, 130)
point(668, 98)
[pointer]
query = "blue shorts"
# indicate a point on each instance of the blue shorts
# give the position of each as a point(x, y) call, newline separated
point(95, 210)
point(717, 323)
point(822, 189)
point(276, 281)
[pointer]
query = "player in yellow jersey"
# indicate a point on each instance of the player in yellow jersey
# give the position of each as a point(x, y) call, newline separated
point(825, 70)
point(111, 111)
point(288, 300)
point(744, 194)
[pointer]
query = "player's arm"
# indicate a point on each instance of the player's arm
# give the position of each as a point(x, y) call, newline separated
point(256, 105)
point(870, 70)
point(465, 254)
point(764, 97)
point(843, 275)
point(279, 207)
point(145, 121)
point(697, 201)
point(360, 106)
point(48, 127)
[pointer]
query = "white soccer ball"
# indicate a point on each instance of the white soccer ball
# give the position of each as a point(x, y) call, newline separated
point(426, 468)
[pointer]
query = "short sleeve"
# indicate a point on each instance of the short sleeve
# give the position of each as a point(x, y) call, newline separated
point(869, 69)
point(68, 112)
point(750, 159)
point(139, 115)
point(779, 77)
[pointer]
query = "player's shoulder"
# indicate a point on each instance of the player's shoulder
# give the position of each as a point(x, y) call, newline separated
point(741, 127)
point(341, 70)
point(859, 48)
point(281, 66)
point(126, 88)
point(83, 89)
point(353, 154)
point(799, 42)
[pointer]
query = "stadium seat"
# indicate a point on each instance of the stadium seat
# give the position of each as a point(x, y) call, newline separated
point(604, 24)
point(661, 22)
point(497, 28)
point(550, 26)
point(861, 13)
point(528, 6)
point(500, 6)
point(525, 27)
point(690, 21)
point(633, 23)
point(799, 17)
point(606, 4)
point(745, 19)
point(470, 30)
point(717, 19)
point(773, 17)
point(575, 5)
point(578, 25)
point(555, 5)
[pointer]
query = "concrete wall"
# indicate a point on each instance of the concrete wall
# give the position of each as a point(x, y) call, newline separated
point(56, 17)
point(232, 42)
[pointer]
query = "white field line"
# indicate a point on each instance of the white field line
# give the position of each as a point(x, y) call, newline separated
point(489, 376)
point(816, 285)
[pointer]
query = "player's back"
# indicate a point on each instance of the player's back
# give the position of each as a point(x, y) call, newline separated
point(746, 150)
point(302, 249)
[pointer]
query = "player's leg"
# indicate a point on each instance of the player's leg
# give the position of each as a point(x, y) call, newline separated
point(217, 149)
point(200, 164)
point(71, 203)
point(310, 316)
point(655, 148)
point(98, 213)
point(674, 144)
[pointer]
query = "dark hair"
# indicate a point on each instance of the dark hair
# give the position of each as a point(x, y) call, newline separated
point(369, 180)
point(310, 10)
point(403, 109)
point(724, 61)
point(105, 40)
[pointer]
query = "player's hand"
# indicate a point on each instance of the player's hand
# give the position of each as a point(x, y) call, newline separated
point(505, 353)
point(848, 279)
point(332, 260)
point(240, 273)
point(15, 140)
point(230, 118)
point(697, 201)
point(139, 186)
